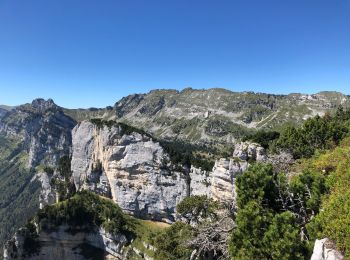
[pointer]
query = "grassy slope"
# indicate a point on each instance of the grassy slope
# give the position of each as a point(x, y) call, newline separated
point(146, 231)
point(18, 194)
point(333, 221)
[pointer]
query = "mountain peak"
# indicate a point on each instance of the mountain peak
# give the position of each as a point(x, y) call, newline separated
point(42, 104)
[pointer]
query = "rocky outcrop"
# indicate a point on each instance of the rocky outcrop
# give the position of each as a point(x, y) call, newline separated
point(200, 182)
point(62, 244)
point(48, 195)
point(138, 175)
point(225, 171)
point(137, 170)
point(223, 187)
point(248, 151)
point(44, 129)
point(324, 249)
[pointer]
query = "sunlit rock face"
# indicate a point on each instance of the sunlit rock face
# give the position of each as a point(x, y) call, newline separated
point(62, 244)
point(136, 172)
point(246, 151)
point(324, 249)
point(133, 167)
point(223, 180)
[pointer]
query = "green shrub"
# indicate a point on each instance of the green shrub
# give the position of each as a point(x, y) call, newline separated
point(171, 243)
point(273, 213)
point(316, 133)
point(197, 207)
point(264, 138)
point(84, 210)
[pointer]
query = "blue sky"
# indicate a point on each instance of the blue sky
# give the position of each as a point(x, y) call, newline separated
point(85, 53)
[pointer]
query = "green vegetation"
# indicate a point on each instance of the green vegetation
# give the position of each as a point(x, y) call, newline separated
point(194, 208)
point(316, 133)
point(146, 233)
point(63, 183)
point(87, 206)
point(30, 243)
point(333, 220)
point(273, 213)
point(264, 138)
point(187, 154)
point(280, 218)
point(171, 243)
point(175, 242)
point(18, 193)
point(318, 198)
point(126, 129)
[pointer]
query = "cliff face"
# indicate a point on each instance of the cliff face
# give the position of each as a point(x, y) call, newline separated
point(132, 167)
point(62, 244)
point(138, 175)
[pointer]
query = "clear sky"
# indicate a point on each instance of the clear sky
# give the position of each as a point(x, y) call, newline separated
point(85, 53)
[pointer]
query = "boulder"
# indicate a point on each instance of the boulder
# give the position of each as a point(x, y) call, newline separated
point(324, 249)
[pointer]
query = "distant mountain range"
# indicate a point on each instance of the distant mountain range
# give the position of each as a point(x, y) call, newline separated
point(213, 115)
point(216, 115)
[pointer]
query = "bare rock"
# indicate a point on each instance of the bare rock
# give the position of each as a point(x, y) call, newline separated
point(136, 170)
point(249, 151)
point(324, 249)
point(62, 244)
point(223, 184)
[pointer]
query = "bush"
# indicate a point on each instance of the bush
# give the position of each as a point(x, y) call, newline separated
point(263, 138)
point(333, 220)
point(171, 243)
point(30, 243)
point(196, 207)
point(316, 133)
point(273, 212)
point(63, 183)
point(185, 154)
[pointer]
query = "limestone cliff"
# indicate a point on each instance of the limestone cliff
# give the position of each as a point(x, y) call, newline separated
point(133, 167)
point(62, 244)
point(137, 173)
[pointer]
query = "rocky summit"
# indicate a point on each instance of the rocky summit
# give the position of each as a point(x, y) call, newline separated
point(42, 127)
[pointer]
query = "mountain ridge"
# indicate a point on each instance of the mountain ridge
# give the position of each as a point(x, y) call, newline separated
point(214, 115)
point(329, 92)
point(36, 136)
